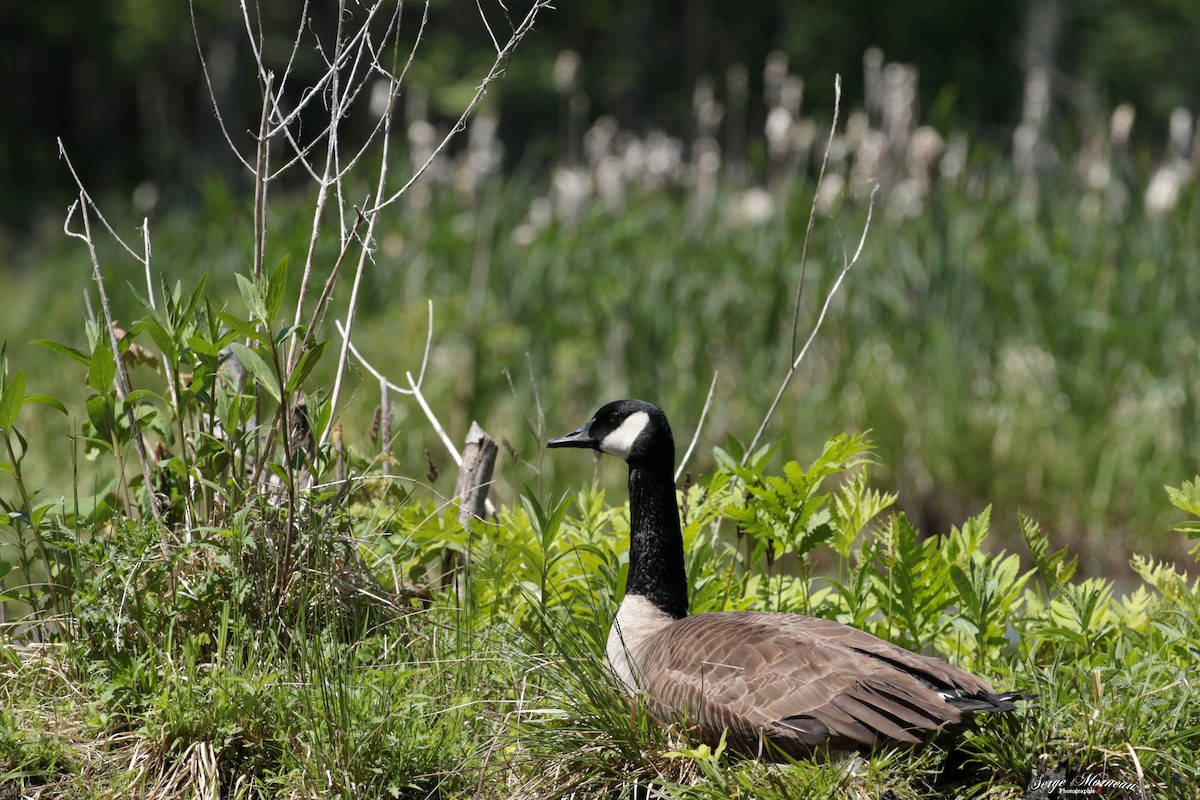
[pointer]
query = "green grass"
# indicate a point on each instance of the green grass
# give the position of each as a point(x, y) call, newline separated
point(495, 685)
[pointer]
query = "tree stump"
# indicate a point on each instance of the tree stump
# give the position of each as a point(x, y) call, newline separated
point(475, 476)
point(471, 493)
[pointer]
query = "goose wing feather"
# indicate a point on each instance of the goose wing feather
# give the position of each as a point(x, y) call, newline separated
point(798, 682)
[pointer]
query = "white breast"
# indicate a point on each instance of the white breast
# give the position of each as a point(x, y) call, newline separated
point(637, 620)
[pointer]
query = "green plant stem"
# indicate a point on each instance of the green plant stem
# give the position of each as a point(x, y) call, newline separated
point(38, 539)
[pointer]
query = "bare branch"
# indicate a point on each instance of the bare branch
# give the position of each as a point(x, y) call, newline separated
point(699, 427)
point(494, 73)
point(413, 390)
point(433, 420)
point(122, 376)
point(260, 181)
point(487, 25)
point(833, 290)
point(86, 199)
point(379, 375)
point(212, 94)
point(812, 212)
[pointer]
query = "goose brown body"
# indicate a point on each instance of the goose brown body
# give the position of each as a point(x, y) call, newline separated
point(772, 683)
point(795, 683)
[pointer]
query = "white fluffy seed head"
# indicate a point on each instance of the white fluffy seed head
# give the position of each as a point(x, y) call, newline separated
point(620, 442)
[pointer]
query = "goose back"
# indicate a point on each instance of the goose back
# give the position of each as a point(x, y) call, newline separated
point(800, 683)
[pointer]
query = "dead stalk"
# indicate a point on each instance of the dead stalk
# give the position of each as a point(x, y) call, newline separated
point(798, 357)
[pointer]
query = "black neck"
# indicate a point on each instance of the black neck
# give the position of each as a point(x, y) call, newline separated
point(656, 568)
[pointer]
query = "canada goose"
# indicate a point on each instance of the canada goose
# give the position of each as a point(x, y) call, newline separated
point(779, 683)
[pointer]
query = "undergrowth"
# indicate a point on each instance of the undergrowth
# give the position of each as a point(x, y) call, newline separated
point(493, 683)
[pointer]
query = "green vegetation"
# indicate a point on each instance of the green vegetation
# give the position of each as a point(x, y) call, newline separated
point(231, 563)
point(1002, 351)
point(180, 665)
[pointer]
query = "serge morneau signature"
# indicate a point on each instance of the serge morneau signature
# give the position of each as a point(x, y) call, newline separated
point(1083, 784)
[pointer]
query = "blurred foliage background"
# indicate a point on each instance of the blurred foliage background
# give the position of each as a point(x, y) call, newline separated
point(120, 82)
point(626, 214)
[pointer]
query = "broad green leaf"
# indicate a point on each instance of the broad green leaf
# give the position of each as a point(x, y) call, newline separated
point(252, 294)
point(275, 289)
point(40, 512)
point(197, 296)
point(320, 413)
point(257, 366)
point(62, 349)
point(102, 369)
point(203, 346)
point(11, 400)
point(102, 415)
point(308, 360)
point(46, 400)
point(138, 396)
point(162, 338)
point(279, 472)
point(243, 327)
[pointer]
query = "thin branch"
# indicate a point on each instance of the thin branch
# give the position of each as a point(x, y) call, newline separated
point(493, 74)
point(87, 199)
point(379, 375)
point(487, 25)
point(287, 70)
point(433, 420)
point(352, 303)
point(414, 386)
point(699, 427)
point(212, 93)
point(833, 290)
point(812, 212)
point(260, 182)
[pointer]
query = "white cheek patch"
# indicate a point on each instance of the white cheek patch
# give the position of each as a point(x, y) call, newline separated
point(620, 442)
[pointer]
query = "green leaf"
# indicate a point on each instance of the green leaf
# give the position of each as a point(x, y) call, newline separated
point(102, 369)
point(102, 415)
point(161, 337)
point(11, 400)
point(243, 327)
point(276, 288)
point(203, 346)
point(197, 296)
point(257, 366)
point(62, 349)
point(93, 443)
point(46, 400)
point(279, 472)
point(308, 360)
point(252, 294)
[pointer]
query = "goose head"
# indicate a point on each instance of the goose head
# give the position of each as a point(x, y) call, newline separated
point(635, 431)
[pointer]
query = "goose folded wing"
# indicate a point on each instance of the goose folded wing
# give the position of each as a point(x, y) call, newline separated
point(798, 683)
